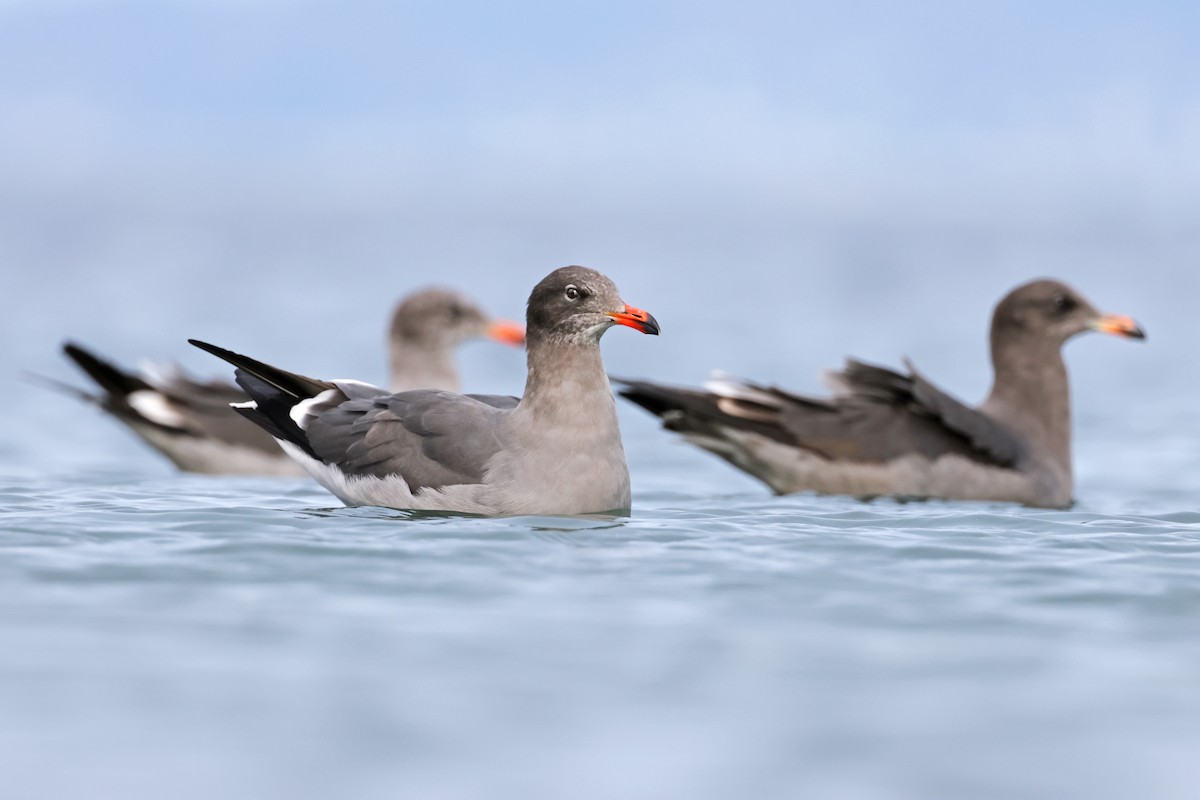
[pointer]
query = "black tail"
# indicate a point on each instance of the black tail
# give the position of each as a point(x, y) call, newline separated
point(117, 386)
point(656, 399)
point(112, 379)
point(291, 384)
point(274, 391)
point(695, 411)
point(876, 382)
point(682, 410)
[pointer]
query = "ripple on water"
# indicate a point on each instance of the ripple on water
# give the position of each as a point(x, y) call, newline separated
point(716, 632)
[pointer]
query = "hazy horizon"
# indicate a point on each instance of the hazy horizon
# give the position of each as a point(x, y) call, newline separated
point(258, 172)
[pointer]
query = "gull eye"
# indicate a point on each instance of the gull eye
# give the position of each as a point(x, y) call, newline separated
point(572, 292)
point(1064, 303)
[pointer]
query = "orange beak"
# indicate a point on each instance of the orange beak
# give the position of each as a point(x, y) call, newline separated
point(507, 332)
point(1119, 325)
point(635, 318)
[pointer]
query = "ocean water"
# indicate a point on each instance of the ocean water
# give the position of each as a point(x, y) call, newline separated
point(169, 635)
point(180, 636)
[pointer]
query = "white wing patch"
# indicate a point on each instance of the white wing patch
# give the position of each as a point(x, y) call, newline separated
point(732, 396)
point(305, 411)
point(724, 385)
point(156, 408)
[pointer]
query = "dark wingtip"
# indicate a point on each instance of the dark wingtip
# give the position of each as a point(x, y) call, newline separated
point(109, 377)
point(655, 398)
point(298, 386)
point(219, 352)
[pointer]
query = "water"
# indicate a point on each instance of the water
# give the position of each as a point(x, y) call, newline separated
point(183, 636)
point(165, 635)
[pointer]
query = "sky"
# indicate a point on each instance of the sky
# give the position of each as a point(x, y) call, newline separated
point(259, 171)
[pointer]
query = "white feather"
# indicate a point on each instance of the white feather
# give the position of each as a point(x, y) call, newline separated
point(727, 386)
point(156, 408)
point(302, 412)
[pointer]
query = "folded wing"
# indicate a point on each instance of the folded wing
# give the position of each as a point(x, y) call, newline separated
point(429, 438)
point(877, 415)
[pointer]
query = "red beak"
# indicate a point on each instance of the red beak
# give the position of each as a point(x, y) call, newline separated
point(507, 332)
point(637, 319)
point(1119, 325)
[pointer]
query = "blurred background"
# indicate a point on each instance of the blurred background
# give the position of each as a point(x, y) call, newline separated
point(781, 184)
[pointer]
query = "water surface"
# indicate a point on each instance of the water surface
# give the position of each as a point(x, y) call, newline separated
point(184, 636)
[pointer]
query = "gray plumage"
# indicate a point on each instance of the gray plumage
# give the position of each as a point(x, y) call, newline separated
point(190, 422)
point(186, 420)
point(555, 450)
point(894, 433)
point(430, 439)
point(426, 330)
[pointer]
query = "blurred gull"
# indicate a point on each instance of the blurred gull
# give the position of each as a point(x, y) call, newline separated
point(191, 422)
point(891, 433)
